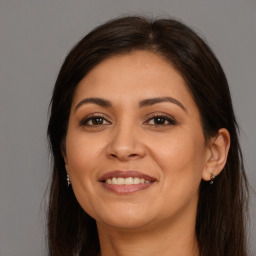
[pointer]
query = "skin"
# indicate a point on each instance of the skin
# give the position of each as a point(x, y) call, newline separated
point(159, 220)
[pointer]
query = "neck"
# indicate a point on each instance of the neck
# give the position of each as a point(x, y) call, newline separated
point(177, 239)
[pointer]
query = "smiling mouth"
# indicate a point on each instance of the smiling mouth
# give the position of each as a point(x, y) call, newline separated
point(125, 182)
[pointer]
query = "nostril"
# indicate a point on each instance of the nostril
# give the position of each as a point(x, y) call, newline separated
point(124, 157)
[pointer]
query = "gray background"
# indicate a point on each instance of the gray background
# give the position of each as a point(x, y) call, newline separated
point(35, 36)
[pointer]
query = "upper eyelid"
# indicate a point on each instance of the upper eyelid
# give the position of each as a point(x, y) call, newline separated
point(96, 114)
point(160, 114)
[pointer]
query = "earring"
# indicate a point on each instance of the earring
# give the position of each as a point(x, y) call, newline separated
point(212, 178)
point(68, 180)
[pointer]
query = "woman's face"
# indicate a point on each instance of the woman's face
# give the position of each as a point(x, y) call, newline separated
point(135, 150)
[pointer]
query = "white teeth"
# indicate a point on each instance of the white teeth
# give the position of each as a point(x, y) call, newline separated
point(136, 180)
point(114, 181)
point(120, 181)
point(127, 181)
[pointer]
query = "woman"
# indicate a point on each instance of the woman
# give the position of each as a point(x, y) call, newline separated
point(146, 158)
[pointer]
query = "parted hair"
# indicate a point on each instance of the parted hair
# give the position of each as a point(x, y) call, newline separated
point(222, 207)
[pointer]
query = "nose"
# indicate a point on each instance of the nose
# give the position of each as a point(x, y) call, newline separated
point(126, 144)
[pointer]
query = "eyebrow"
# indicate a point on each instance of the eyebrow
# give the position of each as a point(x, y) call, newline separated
point(152, 101)
point(98, 101)
point(144, 103)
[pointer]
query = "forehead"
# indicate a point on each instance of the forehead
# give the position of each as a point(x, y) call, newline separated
point(133, 76)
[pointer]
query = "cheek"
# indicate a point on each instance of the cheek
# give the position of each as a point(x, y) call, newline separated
point(82, 160)
point(181, 162)
point(82, 153)
point(181, 159)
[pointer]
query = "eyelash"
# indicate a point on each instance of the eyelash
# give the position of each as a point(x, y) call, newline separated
point(94, 117)
point(170, 120)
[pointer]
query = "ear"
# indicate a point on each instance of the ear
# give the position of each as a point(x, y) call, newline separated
point(217, 154)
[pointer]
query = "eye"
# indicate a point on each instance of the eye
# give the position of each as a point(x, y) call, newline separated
point(94, 121)
point(161, 120)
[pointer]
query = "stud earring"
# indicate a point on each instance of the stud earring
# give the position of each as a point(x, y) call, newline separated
point(212, 178)
point(68, 180)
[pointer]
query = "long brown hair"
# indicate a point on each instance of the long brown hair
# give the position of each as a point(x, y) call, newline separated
point(220, 221)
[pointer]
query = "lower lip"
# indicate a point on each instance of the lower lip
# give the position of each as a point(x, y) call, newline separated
point(126, 189)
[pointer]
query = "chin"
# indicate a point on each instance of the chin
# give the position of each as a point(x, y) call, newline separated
point(125, 219)
point(124, 223)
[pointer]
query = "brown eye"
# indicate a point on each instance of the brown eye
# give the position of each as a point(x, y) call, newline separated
point(94, 121)
point(161, 120)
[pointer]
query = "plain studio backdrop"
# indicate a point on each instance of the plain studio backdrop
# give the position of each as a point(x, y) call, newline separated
point(35, 36)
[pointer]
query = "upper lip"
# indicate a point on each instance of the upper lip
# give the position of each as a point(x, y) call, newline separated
point(125, 174)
